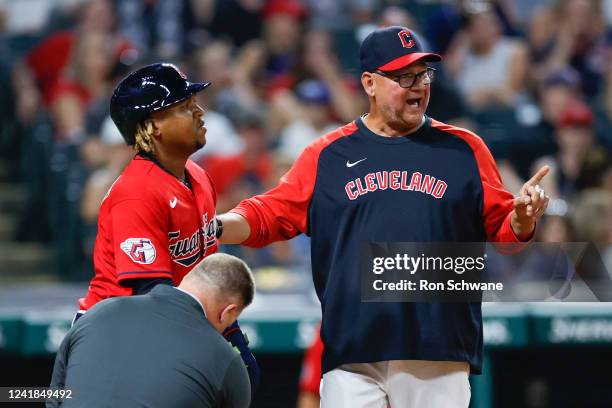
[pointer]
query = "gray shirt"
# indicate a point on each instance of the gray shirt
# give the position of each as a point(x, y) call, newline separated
point(154, 350)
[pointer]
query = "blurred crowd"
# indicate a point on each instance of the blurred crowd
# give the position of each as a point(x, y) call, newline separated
point(532, 77)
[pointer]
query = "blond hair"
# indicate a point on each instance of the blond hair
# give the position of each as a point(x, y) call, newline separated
point(144, 137)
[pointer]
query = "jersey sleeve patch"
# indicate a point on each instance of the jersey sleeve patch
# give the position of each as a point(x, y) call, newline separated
point(140, 250)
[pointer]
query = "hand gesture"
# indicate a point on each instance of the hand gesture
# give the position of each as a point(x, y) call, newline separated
point(529, 205)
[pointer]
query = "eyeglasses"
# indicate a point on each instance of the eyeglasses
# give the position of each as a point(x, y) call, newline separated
point(408, 80)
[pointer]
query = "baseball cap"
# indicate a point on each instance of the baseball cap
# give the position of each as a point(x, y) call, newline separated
point(392, 48)
point(576, 114)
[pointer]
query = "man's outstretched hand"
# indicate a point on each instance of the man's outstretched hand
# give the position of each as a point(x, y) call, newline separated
point(529, 206)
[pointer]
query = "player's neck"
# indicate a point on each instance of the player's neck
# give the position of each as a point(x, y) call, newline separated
point(174, 164)
point(378, 124)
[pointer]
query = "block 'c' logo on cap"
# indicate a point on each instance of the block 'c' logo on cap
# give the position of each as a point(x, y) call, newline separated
point(406, 39)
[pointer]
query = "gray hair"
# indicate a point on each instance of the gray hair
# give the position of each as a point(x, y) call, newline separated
point(230, 275)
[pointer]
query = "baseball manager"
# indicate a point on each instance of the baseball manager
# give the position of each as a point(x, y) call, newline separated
point(392, 175)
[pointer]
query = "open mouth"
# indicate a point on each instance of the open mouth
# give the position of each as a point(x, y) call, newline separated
point(414, 102)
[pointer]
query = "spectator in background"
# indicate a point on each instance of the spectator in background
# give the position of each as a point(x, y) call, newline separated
point(243, 174)
point(522, 12)
point(154, 26)
point(252, 171)
point(574, 35)
point(539, 35)
point(555, 229)
point(579, 162)
point(317, 61)
point(115, 155)
point(558, 90)
point(84, 81)
point(237, 20)
point(340, 15)
point(448, 104)
point(92, 149)
point(312, 120)
point(488, 67)
point(592, 218)
point(444, 22)
point(294, 254)
point(36, 77)
point(214, 62)
point(342, 19)
point(396, 16)
point(240, 74)
point(555, 93)
point(282, 31)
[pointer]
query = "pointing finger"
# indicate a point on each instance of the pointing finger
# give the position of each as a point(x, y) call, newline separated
point(538, 176)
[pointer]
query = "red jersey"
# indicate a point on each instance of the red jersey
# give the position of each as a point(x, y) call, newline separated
point(151, 225)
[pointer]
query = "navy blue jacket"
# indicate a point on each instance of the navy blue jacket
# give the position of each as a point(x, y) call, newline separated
point(351, 186)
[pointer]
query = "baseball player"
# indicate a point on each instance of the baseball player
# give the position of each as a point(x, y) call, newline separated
point(392, 175)
point(158, 218)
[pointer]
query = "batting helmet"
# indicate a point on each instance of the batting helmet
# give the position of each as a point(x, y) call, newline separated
point(147, 90)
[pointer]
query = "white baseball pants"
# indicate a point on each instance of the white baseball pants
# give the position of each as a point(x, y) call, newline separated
point(398, 384)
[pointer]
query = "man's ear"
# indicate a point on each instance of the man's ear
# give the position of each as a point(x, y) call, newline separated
point(229, 314)
point(367, 81)
point(151, 122)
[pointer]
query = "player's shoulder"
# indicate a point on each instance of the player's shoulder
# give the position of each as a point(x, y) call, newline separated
point(469, 137)
point(137, 181)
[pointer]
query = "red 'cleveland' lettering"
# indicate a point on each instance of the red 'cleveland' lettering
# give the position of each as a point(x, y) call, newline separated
point(360, 188)
point(393, 183)
point(349, 190)
point(439, 189)
point(416, 181)
point(428, 184)
point(395, 180)
point(382, 179)
point(369, 180)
